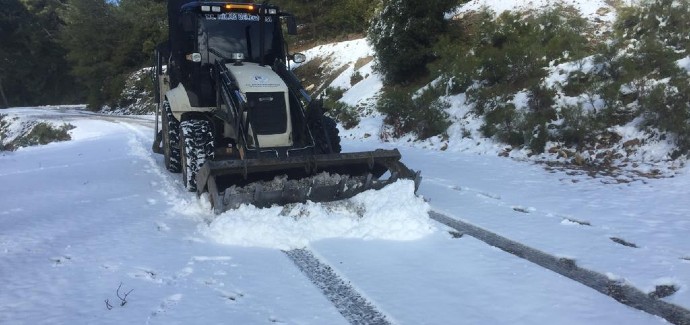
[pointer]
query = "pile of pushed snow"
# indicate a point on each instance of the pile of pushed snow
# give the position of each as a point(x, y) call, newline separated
point(392, 213)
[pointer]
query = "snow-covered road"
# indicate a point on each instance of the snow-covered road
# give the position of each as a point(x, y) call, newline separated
point(78, 218)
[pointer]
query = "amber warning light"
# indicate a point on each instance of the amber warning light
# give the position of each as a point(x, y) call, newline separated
point(231, 6)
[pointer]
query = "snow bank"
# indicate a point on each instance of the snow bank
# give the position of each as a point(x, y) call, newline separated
point(595, 10)
point(392, 213)
point(18, 124)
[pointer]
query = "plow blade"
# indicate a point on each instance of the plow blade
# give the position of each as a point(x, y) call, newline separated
point(319, 178)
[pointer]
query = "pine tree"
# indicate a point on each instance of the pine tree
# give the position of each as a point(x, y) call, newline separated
point(91, 36)
point(32, 69)
point(144, 25)
point(50, 69)
point(403, 34)
point(330, 18)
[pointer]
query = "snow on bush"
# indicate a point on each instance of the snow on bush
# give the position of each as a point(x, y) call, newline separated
point(17, 132)
point(136, 97)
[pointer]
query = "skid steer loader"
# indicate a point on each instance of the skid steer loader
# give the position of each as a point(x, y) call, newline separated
point(237, 123)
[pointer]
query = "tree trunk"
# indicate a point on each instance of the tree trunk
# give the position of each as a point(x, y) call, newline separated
point(3, 103)
point(312, 16)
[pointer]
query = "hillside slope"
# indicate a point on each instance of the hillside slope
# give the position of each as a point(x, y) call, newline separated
point(624, 151)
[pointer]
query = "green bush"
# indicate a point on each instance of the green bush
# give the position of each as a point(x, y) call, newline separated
point(346, 114)
point(577, 83)
point(334, 93)
point(3, 125)
point(526, 126)
point(638, 74)
point(511, 51)
point(457, 62)
point(329, 19)
point(493, 58)
point(667, 21)
point(634, 75)
point(423, 115)
point(667, 107)
point(578, 127)
point(355, 78)
point(41, 133)
point(502, 121)
point(604, 82)
point(541, 113)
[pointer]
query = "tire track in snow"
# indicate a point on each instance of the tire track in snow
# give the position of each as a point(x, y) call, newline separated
point(138, 148)
point(621, 292)
point(355, 308)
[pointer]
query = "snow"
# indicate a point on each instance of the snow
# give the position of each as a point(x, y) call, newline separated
point(394, 213)
point(595, 10)
point(79, 218)
point(341, 53)
point(650, 213)
point(454, 282)
point(345, 55)
point(365, 89)
point(684, 63)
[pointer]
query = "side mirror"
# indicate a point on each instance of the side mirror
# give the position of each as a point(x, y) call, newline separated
point(291, 25)
point(298, 58)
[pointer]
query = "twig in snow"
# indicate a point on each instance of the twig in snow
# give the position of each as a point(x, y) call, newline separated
point(122, 299)
point(108, 305)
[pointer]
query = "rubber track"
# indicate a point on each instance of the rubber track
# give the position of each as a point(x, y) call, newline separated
point(355, 308)
point(621, 292)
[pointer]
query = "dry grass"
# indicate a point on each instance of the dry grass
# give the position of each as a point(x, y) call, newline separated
point(316, 74)
point(363, 61)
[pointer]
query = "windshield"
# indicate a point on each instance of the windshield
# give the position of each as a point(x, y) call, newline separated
point(223, 34)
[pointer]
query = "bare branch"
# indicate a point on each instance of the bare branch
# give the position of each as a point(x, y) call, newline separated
point(123, 300)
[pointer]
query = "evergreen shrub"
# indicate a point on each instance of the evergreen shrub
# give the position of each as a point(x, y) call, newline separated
point(424, 114)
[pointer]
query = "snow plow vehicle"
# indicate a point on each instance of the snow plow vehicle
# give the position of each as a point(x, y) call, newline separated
point(236, 121)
